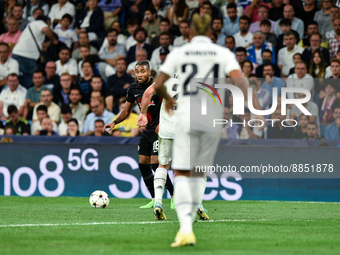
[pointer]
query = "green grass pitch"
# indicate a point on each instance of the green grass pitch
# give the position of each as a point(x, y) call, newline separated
point(65, 225)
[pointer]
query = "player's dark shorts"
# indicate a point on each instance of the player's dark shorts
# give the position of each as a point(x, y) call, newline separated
point(148, 143)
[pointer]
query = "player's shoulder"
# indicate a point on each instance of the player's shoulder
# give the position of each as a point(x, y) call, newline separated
point(133, 86)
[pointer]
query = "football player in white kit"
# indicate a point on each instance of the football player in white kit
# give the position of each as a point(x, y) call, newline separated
point(167, 127)
point(196, 140)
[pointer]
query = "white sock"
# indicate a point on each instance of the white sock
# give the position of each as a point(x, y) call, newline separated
point(196, 186)
point(183, 202)
point(159, 183)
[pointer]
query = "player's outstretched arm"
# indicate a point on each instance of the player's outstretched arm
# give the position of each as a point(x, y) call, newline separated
point(122, 116)
point(142, 118)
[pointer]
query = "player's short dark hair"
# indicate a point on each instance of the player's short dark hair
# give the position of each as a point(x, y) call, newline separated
point(151, 9)
point(143, 63)
point(232, 6)
point(12, 108)
point(241, 49)
point(42, 108)
point(67, 16)
point(230, 36)
point(244, 17)
point(65, 108)
point(285, 22)
point(112, 30)
point(268, 51)
point(289, 33)
point(140, 29)
point(265, 23)
point(165, 20)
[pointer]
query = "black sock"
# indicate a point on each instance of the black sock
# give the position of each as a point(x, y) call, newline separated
point(147, 177)
point(168, 184)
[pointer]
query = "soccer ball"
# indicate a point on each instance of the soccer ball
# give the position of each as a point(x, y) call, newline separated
point(99, 199)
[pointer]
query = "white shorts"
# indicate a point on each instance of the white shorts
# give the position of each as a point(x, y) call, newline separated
point(164, 150)
point(194, 148)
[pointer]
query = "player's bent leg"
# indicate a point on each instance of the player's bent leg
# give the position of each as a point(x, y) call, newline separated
point(183, 202)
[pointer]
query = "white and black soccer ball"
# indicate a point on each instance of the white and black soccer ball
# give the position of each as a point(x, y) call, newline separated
point(99, 199)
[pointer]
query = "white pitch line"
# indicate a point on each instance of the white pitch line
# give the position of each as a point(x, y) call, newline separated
point(120, 223)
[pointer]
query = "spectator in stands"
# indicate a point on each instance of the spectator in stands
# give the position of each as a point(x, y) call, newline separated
point(26, 51)
point(277, 130)
point(312, 28)
point(97, 85)
point(276, 12)
point(14, 94)
point(297, 57)
point(254, 52)
point(41, 114)
point(33, 94)
point(61, 95)
point(83, 40)
point(20, 124)
point(91, 20)
point(267, 57)
point(239, 9)
point(205, 7)
point(53, 109)
point(322, 17)
point(247, 68)
point(231, 23)
point(73, 128)
point(13, 34)
point(111, 10)
point(230, 43)
point(51, 80)
point(127, 128)
point(241, 55)
point(98, 129)
point(301, 131)
point(78, 109)
point(163, 53)
point(327, 105)
point(113, 51)
point(66, 116)
point(184, 30)
point(335, 69)
point(8, 65)
point(246, 131)
point(177, 12)
point(335, 41)
point(151, 23)
point(317, 66)
point(84, 52)
point(66, 34)
point(270, 37)
point(300, 79)
point(307, 12)
point(121, 37)
point(285, 56)
point(327, 31)
point(229, 131)
point(47, 127)
point(332, 131)
point(132, 25)
point(263, 14)
point(243, 38)
point(141, 55)
point(98, 112)
point(315, 44)
point(36, 13)
point(66, 64)
point(217, 25)
point(164, 41)
point(85, 82)
point(121, 81)
point(312, 107)
point(251, 11)
point(32, 5)
point(262, 95)
point(271, 81)
point(140, 36)
point(59, 9)
point(285, 25)
point(159, 7)
point(9, 130)
point(313, 131)
point(297, 24)
point(17, 15)
point(165, 28)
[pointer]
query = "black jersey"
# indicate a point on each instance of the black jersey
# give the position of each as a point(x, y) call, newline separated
point(135, 93)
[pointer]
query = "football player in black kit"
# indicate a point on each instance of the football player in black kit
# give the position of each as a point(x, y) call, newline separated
point(148, 144)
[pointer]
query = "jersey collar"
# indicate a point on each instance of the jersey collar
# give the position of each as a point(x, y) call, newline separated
point(201, 39)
